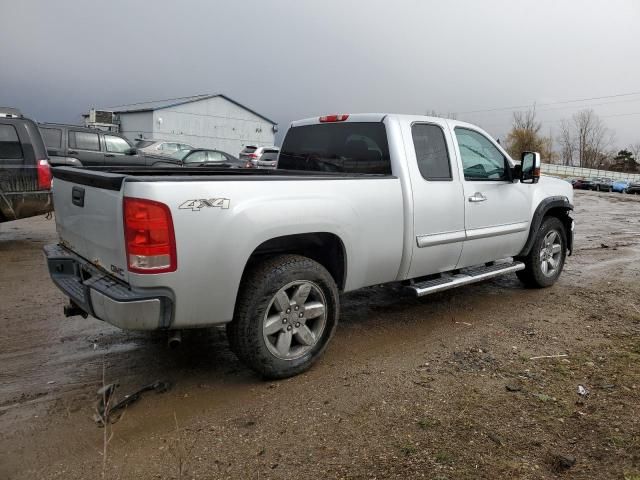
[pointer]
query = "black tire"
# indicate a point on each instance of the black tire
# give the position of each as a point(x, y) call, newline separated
point(532, 275)
point(256, 295)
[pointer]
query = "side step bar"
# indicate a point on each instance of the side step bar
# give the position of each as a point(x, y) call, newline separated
point(465, 277)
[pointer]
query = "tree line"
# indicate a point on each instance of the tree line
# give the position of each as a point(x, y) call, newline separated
point(583, 141)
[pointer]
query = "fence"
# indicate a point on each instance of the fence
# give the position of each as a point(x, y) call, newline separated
point(550, 169)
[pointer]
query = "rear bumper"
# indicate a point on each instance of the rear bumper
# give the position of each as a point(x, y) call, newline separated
point(106, 298)
point(261, 164)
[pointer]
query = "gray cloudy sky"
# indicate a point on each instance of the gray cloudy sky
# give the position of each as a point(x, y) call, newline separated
point(291, 59)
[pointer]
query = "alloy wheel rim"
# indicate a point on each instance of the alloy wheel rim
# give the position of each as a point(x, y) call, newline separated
point(295, 320)
point(550, 253)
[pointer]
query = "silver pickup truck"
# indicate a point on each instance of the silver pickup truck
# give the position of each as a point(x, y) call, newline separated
point(356, 200)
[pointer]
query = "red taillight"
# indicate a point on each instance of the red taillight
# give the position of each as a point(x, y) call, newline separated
point(340, 117)
point(149, 237)
point(44, 175)
point(253, 155)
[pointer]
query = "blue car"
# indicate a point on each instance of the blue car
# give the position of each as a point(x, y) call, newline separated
point(621, 186)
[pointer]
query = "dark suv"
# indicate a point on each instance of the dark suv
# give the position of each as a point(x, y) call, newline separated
point(25, 176)
point(86, 147)
point(602, 184)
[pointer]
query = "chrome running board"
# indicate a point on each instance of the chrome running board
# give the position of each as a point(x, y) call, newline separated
point(465, 277)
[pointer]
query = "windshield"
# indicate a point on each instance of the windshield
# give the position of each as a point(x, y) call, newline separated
point(353, 147)
point(180, 154)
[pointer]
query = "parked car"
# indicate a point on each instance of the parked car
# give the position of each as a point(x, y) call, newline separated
point(161, 147)
point(621, 186)
point(268, 159)
point(634, 187)
point(602, 184)
point(25, 176)
point(78, 146)
point(582, 184)
point(207, 157)
point(430, 202)
point(254, 154)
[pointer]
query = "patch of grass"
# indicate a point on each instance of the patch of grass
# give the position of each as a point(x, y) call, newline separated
point(631, 476)
point(617, 442)
point(543, 397)
point(408, 449)
point(427, 423)
point(444, 458)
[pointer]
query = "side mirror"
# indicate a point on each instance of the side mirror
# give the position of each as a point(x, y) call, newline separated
point(131, 151)
point(530, 167)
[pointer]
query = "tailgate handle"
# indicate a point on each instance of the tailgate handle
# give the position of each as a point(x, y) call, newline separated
point(77, 196)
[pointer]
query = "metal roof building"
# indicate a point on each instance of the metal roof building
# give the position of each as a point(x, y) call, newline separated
point(207, 121)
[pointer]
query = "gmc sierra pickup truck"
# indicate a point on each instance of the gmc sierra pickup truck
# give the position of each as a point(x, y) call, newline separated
point(356, 200)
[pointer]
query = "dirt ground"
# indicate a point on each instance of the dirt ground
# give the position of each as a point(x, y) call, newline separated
point(443, 387)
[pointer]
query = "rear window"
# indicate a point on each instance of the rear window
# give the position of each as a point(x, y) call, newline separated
point(249, 149)
point(52, 137)
point(337, 147)
point(269, 155)
point(10, 147)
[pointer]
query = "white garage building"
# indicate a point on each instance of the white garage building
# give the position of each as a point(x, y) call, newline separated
point(206, 121)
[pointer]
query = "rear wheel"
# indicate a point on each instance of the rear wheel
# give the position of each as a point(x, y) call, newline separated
point(286, 313)
point(545, 261)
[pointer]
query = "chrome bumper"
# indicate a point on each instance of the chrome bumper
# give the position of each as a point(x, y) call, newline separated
point(106, 298)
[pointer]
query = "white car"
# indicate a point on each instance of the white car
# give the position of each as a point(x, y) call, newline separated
point(356, 200)
point(161, 147)
point(261, 157)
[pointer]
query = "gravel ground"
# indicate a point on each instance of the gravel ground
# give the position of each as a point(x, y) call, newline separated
point(443, 387)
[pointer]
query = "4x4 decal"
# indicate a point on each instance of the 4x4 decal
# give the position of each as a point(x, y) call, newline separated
point(196, 205)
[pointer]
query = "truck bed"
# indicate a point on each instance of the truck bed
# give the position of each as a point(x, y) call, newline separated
point(111, 178)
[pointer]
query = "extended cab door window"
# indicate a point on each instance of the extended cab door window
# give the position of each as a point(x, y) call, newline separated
point(481, 160)
point(431, 151)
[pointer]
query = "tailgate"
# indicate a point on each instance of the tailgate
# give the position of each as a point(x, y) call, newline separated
point(88, 211)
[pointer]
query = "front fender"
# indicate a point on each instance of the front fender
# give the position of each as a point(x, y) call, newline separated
point(557, 204)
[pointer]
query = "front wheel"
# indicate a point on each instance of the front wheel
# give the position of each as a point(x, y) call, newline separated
point(545, 261)
point(286, 313)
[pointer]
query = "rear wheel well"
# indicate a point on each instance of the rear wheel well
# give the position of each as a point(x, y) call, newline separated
point(325, 248)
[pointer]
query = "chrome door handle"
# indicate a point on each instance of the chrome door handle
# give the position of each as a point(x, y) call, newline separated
point(477, 197)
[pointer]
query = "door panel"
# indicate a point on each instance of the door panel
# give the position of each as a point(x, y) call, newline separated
point(85, 146)
point(437, 199)
point(496, 209)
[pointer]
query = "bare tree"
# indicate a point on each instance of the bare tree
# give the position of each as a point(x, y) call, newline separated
point(525, 136)
point(435, 113)
point(635, 151)
point(567, 143)
point(592, 138)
